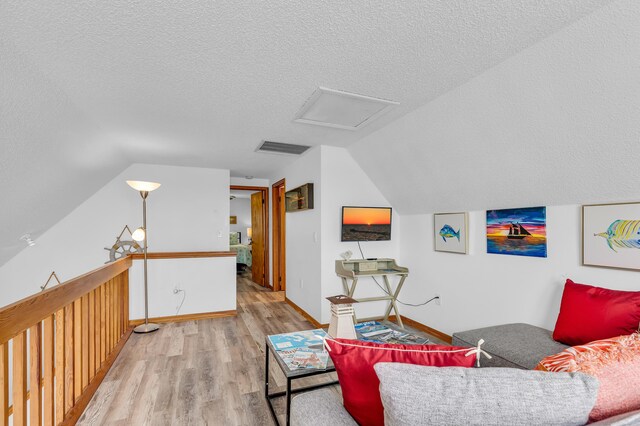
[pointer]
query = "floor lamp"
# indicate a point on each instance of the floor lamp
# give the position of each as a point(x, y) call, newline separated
point(140, 235)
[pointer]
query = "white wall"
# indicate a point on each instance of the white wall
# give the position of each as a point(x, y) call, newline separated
point(209, 285)
point(303, 235)
point(241, 208)
point(345, 184)
point(481, 289)
point(189, 212)
point(313, 236)
point(566, 108)
point(249, 182)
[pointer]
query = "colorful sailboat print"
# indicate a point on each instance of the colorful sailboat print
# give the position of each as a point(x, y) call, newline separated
point(622, 234)
point(520, 232)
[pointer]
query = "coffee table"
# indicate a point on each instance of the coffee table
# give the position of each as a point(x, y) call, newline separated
point(295, 374)
point(290, 375)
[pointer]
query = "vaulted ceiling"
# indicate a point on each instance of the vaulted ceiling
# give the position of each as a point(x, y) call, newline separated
point(87, 88)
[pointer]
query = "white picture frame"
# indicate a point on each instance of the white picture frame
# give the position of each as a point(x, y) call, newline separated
point(611, 235)
point(450, 233)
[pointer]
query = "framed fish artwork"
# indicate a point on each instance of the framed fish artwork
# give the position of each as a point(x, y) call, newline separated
point(611, 235)
point(450, 232)
point(517, 232)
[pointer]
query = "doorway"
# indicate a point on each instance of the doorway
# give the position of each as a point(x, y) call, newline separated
point(279, 234)
point(257, 233)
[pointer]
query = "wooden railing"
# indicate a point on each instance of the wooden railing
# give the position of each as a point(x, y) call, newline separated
point(62, 342)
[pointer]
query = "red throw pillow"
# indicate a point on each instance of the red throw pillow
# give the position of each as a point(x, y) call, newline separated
point(354, 361)
point(590, 313)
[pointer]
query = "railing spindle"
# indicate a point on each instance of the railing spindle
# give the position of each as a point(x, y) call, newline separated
point(60, 366)
point(103, 325)
point(4, 384)
point(92, 335)
point(77, 349)
point(68, 358)
point(20, 379)
point(35, 374)
point(84, 325)
point(48, 382)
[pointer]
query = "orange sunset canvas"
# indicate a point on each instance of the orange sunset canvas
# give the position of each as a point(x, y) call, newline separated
point(366, 223)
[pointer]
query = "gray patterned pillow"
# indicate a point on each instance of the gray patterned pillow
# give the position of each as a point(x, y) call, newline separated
point(419, 395)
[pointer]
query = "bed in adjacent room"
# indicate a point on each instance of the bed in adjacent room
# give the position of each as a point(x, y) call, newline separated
point(243, 251)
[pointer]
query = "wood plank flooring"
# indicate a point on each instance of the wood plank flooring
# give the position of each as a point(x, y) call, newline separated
point(206, 372)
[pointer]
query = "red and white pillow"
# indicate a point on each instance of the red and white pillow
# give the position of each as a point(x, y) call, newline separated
point(614, 362)
point(354, 361)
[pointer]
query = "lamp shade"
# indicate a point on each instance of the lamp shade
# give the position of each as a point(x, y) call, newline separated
point(249, 233)
point(138, 234)
point(140, 185)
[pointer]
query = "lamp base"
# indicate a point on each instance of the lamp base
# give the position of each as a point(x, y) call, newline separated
point(146, 328)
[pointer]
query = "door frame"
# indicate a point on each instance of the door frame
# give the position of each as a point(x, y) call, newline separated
point(265, 215)
point(280, 249)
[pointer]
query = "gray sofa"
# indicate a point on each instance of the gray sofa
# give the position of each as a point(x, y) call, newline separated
point(519, 346)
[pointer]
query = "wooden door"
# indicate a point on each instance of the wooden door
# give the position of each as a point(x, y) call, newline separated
point(258, 238)
point(278, 214)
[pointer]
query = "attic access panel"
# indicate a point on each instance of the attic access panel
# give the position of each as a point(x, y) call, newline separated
point(341, 110)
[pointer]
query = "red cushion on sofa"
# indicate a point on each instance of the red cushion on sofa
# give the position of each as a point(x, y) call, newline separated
point(354, 361)
point(590, 313)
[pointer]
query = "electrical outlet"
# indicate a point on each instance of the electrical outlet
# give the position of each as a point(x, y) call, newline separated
point(301, 283)
point(438, 301)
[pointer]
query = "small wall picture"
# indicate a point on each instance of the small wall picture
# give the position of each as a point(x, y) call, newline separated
point(450, 232)
point(611, 235)
point(233, 220)
point(299, 199)
point(518, 232)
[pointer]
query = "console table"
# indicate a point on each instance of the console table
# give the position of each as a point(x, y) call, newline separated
point(352, 270)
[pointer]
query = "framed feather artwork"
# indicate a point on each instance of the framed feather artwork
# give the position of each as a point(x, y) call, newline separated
point(611, 235)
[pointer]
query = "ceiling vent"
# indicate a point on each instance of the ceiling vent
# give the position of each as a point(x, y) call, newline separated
point(281, 148)
point(341, 110)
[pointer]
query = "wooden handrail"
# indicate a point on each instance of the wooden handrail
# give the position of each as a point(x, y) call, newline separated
point(62, 342)
point(183, 254)
point(24, 313)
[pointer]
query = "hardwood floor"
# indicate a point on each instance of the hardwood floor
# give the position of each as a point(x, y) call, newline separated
point(205, 372)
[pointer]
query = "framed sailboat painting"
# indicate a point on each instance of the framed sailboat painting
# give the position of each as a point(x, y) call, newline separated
point(518, 232)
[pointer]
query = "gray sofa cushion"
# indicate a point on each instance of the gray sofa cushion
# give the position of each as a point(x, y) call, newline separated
point(319, 408)
point(511, 345)
point(419, 395)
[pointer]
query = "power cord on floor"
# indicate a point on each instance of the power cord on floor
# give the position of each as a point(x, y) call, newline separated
point(389, 294)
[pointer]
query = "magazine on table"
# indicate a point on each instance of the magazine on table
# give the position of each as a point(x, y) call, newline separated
point(373, 331)
point(298, 339)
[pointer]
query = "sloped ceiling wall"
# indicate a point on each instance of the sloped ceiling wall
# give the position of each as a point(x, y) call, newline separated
point(88, 88)
point(559, 123)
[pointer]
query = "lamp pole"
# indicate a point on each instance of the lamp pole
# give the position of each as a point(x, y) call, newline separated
point(144, 188)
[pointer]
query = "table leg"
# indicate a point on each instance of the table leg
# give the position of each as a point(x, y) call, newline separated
point(394, 296)
point(288, 401)
point(266, 372)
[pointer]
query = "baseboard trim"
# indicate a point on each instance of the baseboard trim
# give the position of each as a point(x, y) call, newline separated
point(304, 313)
point(186, 317)
point(419, 326)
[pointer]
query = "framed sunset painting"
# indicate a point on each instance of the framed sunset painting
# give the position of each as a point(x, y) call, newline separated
point(611, 235)
point(517, 232)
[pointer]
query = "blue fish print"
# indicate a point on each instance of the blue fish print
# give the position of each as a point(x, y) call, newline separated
point(448, 232)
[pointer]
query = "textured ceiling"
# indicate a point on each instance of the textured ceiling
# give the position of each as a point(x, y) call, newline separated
point(87, 88)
